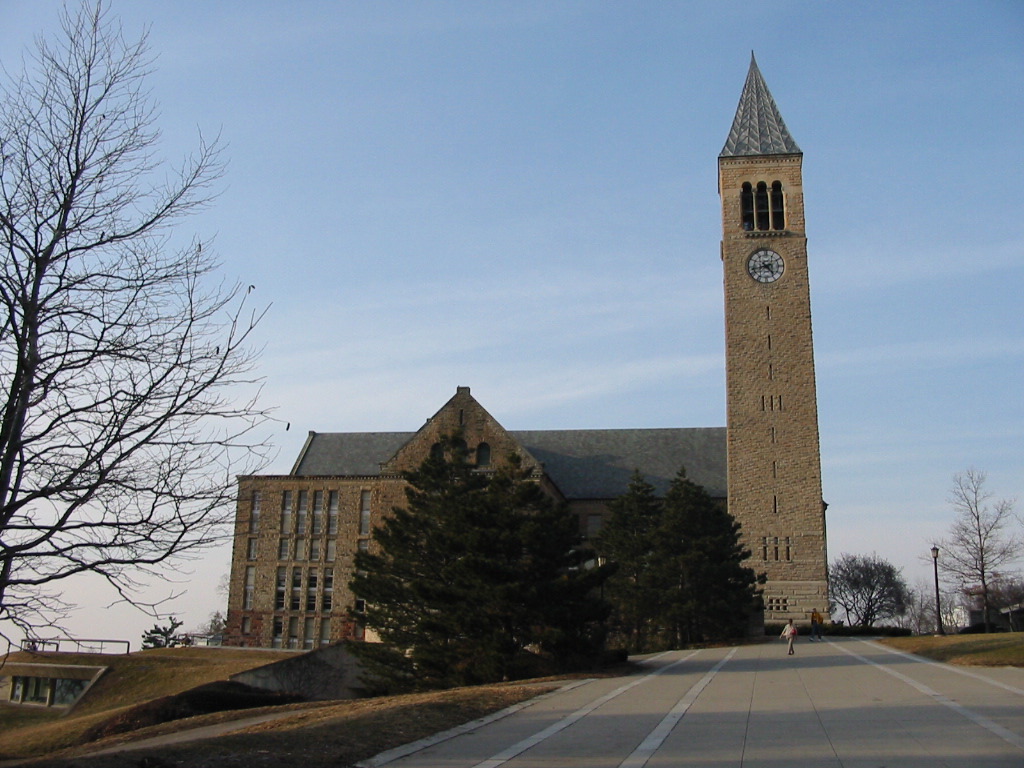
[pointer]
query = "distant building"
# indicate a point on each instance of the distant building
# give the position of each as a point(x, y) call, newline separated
point(296, 535)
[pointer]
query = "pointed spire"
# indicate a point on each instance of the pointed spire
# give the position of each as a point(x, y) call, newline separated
point(757, 128)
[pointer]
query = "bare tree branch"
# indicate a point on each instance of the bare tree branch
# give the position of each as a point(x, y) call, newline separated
point(128, 399)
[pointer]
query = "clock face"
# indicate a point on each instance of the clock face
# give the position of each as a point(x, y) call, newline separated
point(765, 266)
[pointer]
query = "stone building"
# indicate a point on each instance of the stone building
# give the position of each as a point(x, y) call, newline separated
point(296, 535)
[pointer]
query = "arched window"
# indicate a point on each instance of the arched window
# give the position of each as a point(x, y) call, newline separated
point(747, 207)
point(761, 206)
point(778, 206)
point(483, 455)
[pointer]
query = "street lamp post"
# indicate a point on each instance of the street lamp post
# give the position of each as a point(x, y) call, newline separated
point(938, 605)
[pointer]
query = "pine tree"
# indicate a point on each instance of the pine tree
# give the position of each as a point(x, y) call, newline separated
point(627, 540)
point(476, 568)
point(707, 593)
point(162, 636)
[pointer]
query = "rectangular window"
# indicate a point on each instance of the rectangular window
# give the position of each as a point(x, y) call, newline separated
point(286, 512)
point(246, 625)
point(293, 632)
point(364, 513)
point(775, 547)
point(325, 630)
point(252, 550)
point(328, 601)
point(764, 548)
point(37, 689)
point(360, 605)
point(332, 513)
point(275, 641)
point(593, 525)
point(789, 550)
point(280, 587)
point(314, 550)
point(308, 637)
point(311, 584)
point(250, 587)
point(778, 603)
point(282, 548)
point(254, 515)
point(296, 601)
point(301, 512)
point(300, 549)
point(318, 512)
point(332, 550)
point(363, 545)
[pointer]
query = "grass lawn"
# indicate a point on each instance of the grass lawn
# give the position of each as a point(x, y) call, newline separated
point(1002, 649)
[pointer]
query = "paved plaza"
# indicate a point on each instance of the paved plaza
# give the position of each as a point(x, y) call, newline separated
point(844, 702)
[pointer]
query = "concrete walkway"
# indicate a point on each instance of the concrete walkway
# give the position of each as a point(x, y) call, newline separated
point(847, 702)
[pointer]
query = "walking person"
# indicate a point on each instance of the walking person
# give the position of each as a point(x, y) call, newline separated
point(816, 622)
point(789, 633)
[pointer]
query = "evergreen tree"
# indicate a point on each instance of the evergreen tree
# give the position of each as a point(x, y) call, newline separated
point(627, 540)
point(476, 568)
point(706, 591)
point(162, 636)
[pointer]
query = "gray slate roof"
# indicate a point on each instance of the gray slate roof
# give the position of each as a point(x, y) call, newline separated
point(583, 463)
point(758, 128)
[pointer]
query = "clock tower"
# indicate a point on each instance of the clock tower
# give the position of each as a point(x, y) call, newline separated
point(774, 470)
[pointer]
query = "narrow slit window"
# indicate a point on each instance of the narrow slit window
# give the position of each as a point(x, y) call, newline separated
point(318, 512)
point(281, 587)
point(332, 513)
point(286, 512)
point(364, 513)
point(254, 517)
point(300, 519)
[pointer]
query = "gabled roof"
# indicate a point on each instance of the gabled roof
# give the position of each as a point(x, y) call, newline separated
point(583, 463)
point(758, 128)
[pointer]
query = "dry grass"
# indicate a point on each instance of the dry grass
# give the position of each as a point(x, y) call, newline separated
point(129, 680)
point(332, 735)
point(1004, 649)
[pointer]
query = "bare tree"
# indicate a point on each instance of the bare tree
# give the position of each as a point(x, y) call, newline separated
point(867, 588)
point(978, 547)
point(920, 615)
point(127, 398)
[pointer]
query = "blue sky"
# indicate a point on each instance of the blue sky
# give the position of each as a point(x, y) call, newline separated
point(521, 197)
